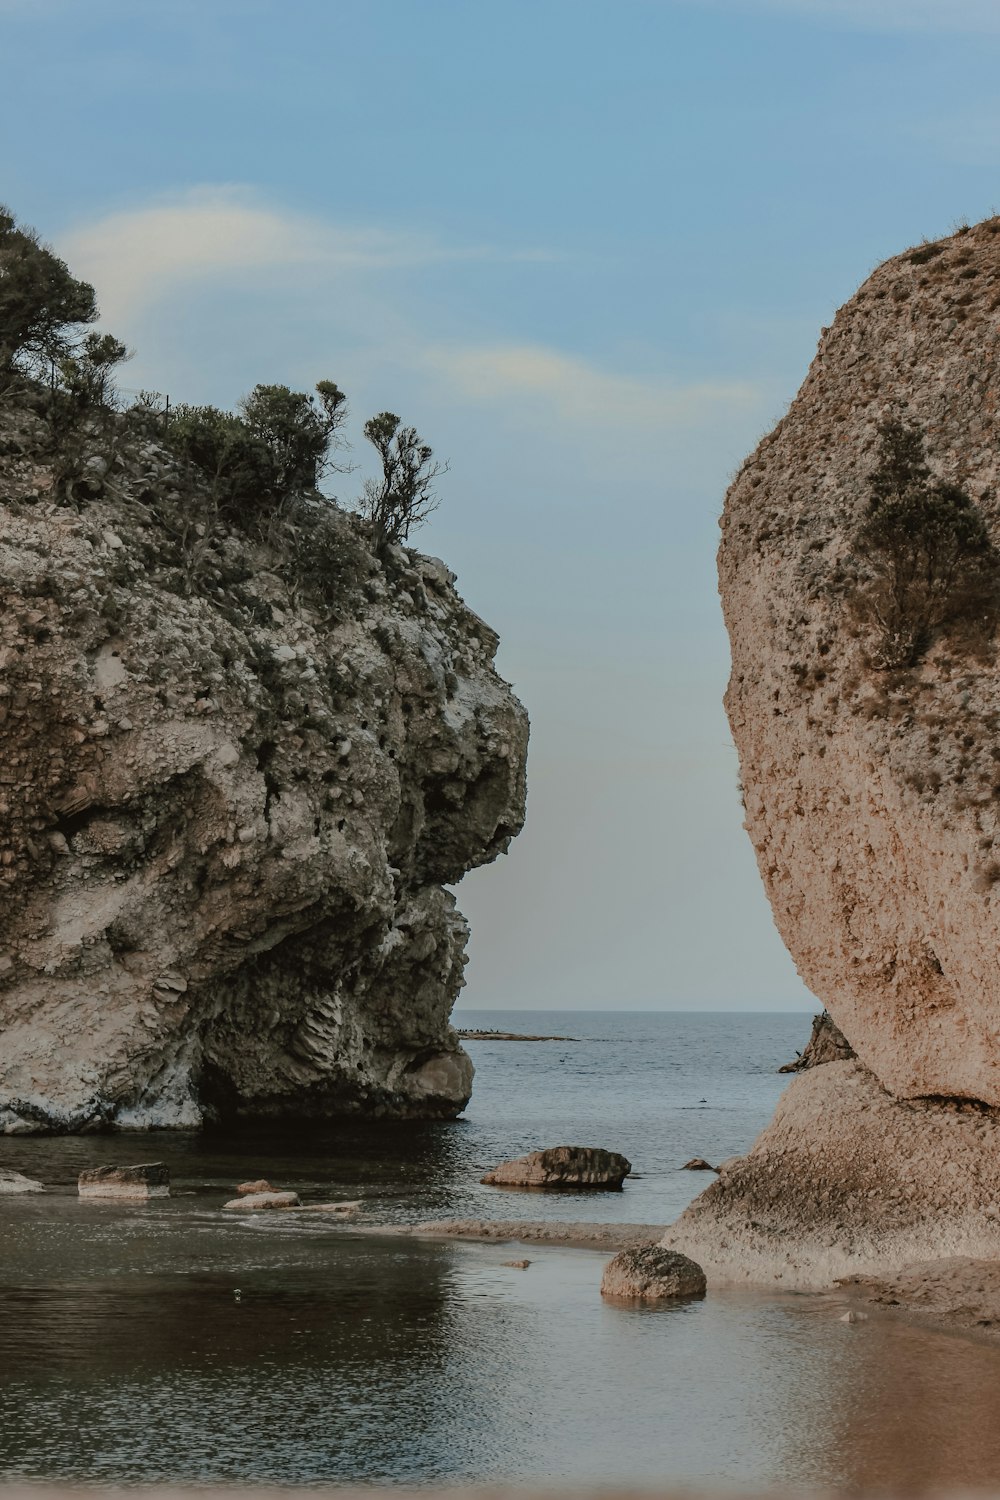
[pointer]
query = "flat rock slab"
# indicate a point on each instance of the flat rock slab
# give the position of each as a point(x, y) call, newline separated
point(16, 1182)
point(250, 1202)
point(577, 1236)
point(147, 1180)
point(561, 1169)
point(650, 1273)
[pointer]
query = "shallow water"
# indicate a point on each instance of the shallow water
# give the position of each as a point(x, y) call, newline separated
point(126, 1355)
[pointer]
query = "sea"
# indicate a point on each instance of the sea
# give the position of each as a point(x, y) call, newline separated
point(175, 1342)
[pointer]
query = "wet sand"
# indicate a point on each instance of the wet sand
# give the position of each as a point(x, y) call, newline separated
point(577, 1236)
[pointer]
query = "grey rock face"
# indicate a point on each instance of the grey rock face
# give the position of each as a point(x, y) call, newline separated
point(229, 809)
point(562, 1167)
point(16, 1182)
point(147, 1180)
point(649, 1273)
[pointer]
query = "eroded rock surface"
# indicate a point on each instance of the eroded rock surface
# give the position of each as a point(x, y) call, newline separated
point(826, 1044)
point(230, 806)
point(872, 796)
point(847, 1180)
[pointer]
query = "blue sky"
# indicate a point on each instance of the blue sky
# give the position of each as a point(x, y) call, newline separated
point(587, 249)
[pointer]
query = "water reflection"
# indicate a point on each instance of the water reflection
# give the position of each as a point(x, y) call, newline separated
point(349, 1358)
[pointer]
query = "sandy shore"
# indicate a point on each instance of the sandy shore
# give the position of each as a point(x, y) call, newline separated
point(584, 1236)
point(959, 1294)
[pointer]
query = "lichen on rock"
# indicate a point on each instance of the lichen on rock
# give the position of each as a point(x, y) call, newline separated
point(231, 803)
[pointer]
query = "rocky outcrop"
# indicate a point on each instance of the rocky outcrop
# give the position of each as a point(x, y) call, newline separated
point(872, 796)
point(827, 1043)
point(649, 1273)
point(147, 1180)
point(560, 1168)
point(234, 788)
point(848, 1180)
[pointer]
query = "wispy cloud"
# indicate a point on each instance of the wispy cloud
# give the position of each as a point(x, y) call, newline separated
point(576, 390)
point(962, 17)
point(136, 256)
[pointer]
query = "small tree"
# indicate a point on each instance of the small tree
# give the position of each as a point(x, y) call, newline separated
point(404, 496)
point(41, 305)
point(931, 558)
point(297, 430)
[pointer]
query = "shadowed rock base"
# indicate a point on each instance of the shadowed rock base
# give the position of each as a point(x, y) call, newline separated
point(847, 1180)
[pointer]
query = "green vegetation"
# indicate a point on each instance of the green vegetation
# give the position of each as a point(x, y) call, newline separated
point(932, 565)
point(256, 470)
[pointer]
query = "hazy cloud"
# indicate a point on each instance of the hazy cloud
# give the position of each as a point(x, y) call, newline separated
point(959, 16)
point(136, 256)
point(577, 390)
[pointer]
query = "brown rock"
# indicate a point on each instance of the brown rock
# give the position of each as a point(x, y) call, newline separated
point(649, 1273)
point(826, 1043)
point(698, 1164)
point(147, 1180)
point(251, 1202)
point(516, 1265)
point(562, 1167)
point(870, 792)
point(260, 1186)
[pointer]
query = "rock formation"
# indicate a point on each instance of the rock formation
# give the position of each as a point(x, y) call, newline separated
point(560, 1168)
point(826, 1043)
point(144, 1181)
point(649, 1273)
point(231, 800)
point(872, 792)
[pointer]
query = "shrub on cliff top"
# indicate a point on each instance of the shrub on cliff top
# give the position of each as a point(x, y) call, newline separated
point(932, 563)
point(41, 305)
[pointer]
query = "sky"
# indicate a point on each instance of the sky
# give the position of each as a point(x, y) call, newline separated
point(587, 250)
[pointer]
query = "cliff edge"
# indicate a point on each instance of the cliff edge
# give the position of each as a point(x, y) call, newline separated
point(234, 786)
point(865, 705)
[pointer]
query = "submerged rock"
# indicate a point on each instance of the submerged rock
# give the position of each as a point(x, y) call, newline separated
point(649, 1273)
point(16, 1182)
point(148, 1180)
point(562, 1167)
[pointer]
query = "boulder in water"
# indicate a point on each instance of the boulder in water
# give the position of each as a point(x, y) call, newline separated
point(16, 1182)
point(147, 1180)
point(650, 1273)
point(250, 1202)
point(562, 1167)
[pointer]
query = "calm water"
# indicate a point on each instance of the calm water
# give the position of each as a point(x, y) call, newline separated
point(126, 1356)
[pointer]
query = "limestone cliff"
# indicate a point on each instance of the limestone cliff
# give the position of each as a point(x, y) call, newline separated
point(872, 794)
point(230, 806)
